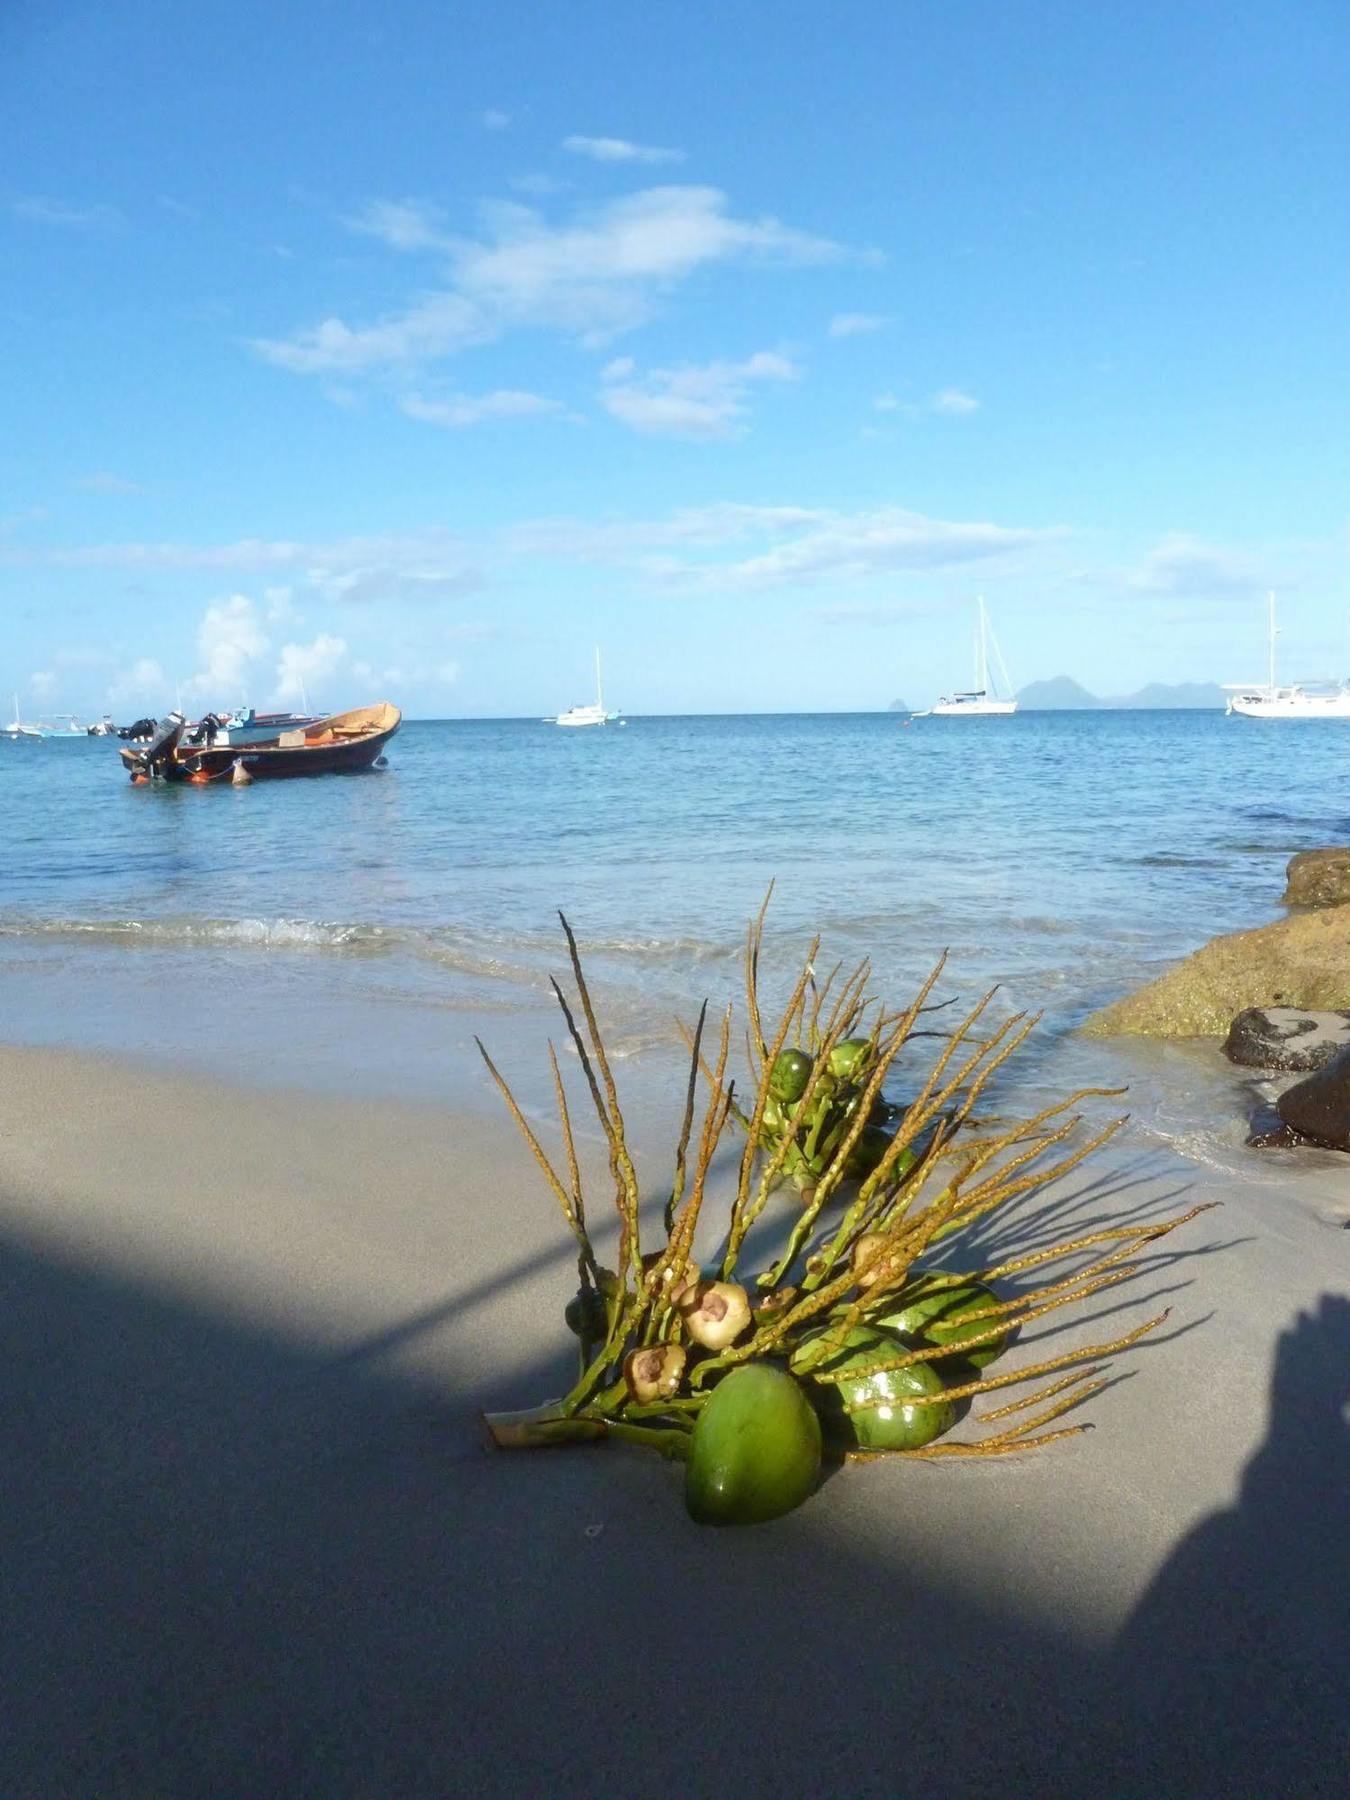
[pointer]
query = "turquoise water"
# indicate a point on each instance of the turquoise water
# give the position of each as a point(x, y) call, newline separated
point(1062, 855)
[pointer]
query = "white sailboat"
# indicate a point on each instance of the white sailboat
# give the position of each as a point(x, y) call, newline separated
point(588, 715)
point(984, 698)
point(17, 729)
point(1293, 700)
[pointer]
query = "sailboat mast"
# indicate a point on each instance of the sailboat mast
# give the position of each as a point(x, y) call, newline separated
point(599, 690)
point(1270, 601)
point(982, 657)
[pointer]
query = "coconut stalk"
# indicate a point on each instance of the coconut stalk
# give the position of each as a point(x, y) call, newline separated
point(659, 1335)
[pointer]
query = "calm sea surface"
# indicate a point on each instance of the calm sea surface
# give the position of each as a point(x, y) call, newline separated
point(358, 929)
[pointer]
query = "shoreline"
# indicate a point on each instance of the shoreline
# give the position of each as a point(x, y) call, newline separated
point(248, 1331)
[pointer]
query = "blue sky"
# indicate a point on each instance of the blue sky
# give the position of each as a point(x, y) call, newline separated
point(411, 348)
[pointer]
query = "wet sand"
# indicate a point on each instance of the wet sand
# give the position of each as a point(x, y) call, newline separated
point(253, 1543)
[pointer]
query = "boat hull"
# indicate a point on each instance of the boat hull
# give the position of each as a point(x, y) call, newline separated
point(346, 744)
point(976, 709)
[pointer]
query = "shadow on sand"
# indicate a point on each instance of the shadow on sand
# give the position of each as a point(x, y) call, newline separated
point(235, 1565)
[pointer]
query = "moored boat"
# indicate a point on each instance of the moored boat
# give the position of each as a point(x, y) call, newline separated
point(345, 743)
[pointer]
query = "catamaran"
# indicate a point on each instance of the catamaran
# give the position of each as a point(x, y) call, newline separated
point(587, 715)
point(984, 698)
point(1293, 700)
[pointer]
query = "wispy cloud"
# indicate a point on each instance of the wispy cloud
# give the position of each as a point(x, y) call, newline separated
point(951, 403)
point(619, 150)
point(694, 401)
point(473, 409)
point(854, 324)
point(1188, 568)
point(103, 481)
point(492, 118)
point(42, 209)
point(597, 273)
point(420, 565)
point(792, 546)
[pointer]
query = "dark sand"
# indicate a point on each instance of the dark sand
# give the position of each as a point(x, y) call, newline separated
point(252, 1543)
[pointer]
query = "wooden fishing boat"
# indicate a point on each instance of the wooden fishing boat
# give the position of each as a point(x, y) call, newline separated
point(342, 744)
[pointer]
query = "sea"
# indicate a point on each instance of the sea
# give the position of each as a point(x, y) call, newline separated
point(355, 934)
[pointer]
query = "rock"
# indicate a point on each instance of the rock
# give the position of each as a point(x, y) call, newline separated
point(1319, 1107)
point(1286, 1038)
point(1318, 878)
point(1300, 961)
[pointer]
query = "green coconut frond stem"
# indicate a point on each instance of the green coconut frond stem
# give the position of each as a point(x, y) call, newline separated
point(680, 1243)
point(587, 1267)
point(538, 1426)
point(1000, 1446)
point(565, 1199)
point(691, 1094)
point(1112, 1234)
point(1061, 1386)
point(620, 1164)
point(754, 943)
point(736, 1229)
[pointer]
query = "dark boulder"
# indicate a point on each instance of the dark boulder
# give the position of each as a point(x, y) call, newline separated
point(1286, 1038)
point(1319, 1106)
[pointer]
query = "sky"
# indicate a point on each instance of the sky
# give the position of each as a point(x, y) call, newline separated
point(409, 349)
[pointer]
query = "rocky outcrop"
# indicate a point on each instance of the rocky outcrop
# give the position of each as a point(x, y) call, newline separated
point(1286, 1039)
point(1319, 1108)
point(1319, 878)
point(1302, 961)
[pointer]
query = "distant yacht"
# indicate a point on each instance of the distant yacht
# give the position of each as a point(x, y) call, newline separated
point(587, 715)
point(984, 697)
point(1293, 700)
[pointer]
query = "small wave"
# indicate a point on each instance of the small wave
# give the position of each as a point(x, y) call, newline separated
point(169, 933)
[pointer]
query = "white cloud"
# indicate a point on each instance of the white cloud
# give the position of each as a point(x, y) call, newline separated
point(852, 546)
point(619, 150)
point(955, 402)
point(473, 409)
point(447, 673)
point(230, 640)
point(492, 118)
point(143, 685)
point(301, 666)
point(886, 403)
point(435, 327)
point(856, 324)
point(43, 210)
point(694, 401)
point(43, 683)
point(597, 274)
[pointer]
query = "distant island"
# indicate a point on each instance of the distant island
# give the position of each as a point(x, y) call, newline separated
point(899, 706)
point(1063, 694)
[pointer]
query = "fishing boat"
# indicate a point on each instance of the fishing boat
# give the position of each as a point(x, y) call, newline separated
point(344, 744)
point(17, 729)
point(1292, 700)
point(984, 698)
point(587, 715)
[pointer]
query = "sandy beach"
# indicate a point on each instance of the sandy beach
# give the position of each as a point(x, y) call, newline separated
point(253, 1542)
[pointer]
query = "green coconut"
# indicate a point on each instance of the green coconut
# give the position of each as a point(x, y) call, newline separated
point(875, 1409)
point(926, 1312)
point(755, 1449)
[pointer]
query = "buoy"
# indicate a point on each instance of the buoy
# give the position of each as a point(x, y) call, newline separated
point(240, 776)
